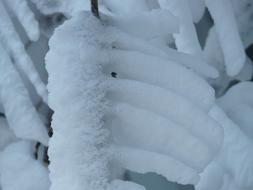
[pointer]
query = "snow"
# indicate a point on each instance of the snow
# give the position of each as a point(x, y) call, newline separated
point(195, 63)
point(170, 106)
point(125, 185)
point(127, 42)
point(163, 135)
point(6, 135)
point(238, 104)
point(197, 9)
point(19, 110)
point(213, 52)
point(13, 45)
point(69, 8)
point(147, 24)
point(25, 16)
point(238, 147)
point(126, 7)
point(186, 40)
point(80, 134)
point(163, 73)
point(76, 94)
point(214, 56)
point(143, 161)
point(246, 72)
point(228, 34)
point(127, 96)
point(19, 170)
point(243, 12)
point(232, 168)
point(212, 177)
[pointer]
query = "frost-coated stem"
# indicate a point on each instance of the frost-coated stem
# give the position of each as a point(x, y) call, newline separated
point(228, 35)
point(94, 8)
point(77, 150)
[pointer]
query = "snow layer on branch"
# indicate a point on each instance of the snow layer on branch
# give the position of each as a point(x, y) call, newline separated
point(228, 35)
point(214, 56)
point(213, 52)
point(13, 45)
point(212, 177)
point(136, 114)
point(126, 42)
point(236, 153)
point(76, 94)
point(6, 135)
point(143, 161)
point(164, 135)
point(126, 7)
point(195, 63)
point(79, 87)
point(19, 169)
point(169, 105)
point(69, 8)
point(125, 185)
point(232, 168)
point(238, 104)
point(21, 10)
point(229, 183)
point(197, 9)
point(243, 12)
point(147, 25)
point(19, 110)
point(186, 40)
point(163, 73)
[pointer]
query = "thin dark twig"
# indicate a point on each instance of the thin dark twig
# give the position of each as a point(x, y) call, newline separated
point(94, 8)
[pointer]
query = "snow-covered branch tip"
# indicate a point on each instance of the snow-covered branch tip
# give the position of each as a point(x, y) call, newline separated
point(94, 8)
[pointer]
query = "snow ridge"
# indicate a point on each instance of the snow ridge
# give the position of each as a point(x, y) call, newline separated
point(76, 94)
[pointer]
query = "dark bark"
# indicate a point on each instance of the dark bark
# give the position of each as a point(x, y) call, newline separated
point(94, 8)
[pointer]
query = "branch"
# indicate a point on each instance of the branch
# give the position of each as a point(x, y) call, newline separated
point(94, 8)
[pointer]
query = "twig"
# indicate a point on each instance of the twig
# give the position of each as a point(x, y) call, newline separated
point(94, 8)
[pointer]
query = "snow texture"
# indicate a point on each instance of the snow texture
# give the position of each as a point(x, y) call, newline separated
point(233, 166)
point(147, 24)
point(6, 135)
point(214, 56)
point(13, 45)
point(126, 7)
point(243, 12)
point(19, 170)
point(76, 94)
point(228, 34)
point(121, 95)
point(20, 9)
point(197, 9)
point(21, 114)
point(172, 76)
point(238, 104)
point(186, 40)
point(126, 185)
point(194, 63)
point(80, 87)
point(69, 8)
